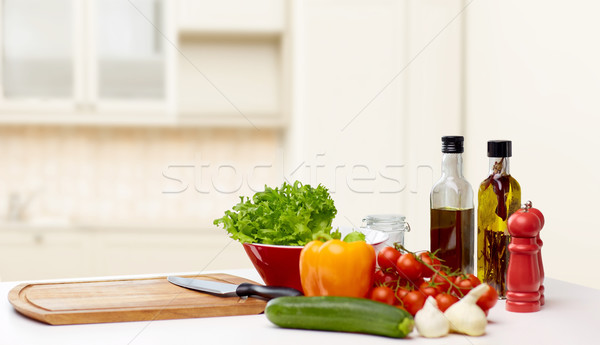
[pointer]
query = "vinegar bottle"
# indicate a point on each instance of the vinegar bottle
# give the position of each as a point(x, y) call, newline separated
point(499, 196)
point(452, 217)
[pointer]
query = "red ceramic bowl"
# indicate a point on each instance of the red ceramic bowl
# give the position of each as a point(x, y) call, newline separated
point(277, 265)
point(280, 265)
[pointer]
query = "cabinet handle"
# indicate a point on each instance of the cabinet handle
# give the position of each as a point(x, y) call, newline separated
point(38, 239)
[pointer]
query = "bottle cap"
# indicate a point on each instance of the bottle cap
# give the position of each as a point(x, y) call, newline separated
point(453, 144)
point(499, 148)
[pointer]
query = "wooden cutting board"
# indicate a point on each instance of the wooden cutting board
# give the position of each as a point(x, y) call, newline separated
point(127, 300)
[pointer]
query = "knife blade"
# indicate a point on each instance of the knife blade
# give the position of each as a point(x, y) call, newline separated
point(226, 289)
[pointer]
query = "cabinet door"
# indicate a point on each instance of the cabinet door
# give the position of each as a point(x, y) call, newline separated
point(231, 15)
point(38, 45)
point(62, 59)
point(130, 49)
point(233, 62)
point(39, 255)
point(164, 252)
point(235, 79)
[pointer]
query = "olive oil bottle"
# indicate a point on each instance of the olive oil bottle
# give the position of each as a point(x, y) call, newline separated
point(452, 217)
point(499, 196)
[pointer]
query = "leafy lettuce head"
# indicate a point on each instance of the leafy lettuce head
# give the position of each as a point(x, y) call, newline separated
point(291, 215)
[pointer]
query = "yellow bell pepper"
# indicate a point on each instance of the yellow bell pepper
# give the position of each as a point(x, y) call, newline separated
point(337, 268)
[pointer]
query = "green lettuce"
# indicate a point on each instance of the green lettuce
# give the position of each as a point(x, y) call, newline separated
point(355, 236)
point(292, 215)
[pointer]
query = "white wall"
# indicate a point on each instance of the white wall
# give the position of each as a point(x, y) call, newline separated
point(533, 77)
point(344, 53)
point(530, 75)
point(433, 101)
point(367, 93)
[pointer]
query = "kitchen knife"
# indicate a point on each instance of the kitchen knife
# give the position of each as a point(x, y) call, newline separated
point(226, 289)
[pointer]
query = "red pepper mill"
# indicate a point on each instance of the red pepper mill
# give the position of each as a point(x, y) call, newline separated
point(523, 278)
point(529, 206)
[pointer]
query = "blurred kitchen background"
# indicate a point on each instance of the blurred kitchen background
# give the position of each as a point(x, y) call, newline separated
point(127, 127)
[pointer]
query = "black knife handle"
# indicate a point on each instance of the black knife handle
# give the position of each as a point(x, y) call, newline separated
point(268, 292)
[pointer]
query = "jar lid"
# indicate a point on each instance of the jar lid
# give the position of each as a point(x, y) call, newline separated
point(386, 222)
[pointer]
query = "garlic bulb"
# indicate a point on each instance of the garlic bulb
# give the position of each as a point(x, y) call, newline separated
point(465, 316)
point(430, 321)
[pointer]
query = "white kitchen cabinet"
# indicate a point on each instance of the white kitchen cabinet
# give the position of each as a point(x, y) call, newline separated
point(43, 255)
point(139, 253)
point(232, 16)
point(233, 63)
point(86, 62)
point(146, 62)
point(231, 80)
point(57, 252)
point(38, 49)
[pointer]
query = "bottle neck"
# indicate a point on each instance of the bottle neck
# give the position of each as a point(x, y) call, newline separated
point(452, 165)
point(499, 165)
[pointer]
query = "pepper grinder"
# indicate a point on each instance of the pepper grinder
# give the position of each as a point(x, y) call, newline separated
point(529, 206)
point(523, 273)
point(541, 266)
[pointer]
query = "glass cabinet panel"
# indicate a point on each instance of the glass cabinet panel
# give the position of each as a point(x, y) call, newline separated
point(38, 49)
point(130, 49)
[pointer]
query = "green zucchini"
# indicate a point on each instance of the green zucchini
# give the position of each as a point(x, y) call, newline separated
point(342, 314)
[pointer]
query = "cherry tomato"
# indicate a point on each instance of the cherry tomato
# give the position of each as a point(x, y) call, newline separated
point(465, 283)
point(413, 302)
point(401, 307)
point(408, 267)
point(428, 289)
point(488, 299)
point(524, 224)
point(383, 294)
point(473, 278)
point(445, 300)
point(441, 281)
point(435, 263)
point(401, 292)
point(416, 283)
point(387, 258)
point(387, 278)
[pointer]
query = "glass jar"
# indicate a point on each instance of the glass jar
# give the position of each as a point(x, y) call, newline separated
point(393, 225)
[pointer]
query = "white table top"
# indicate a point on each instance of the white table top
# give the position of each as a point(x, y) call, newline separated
point(570, 316)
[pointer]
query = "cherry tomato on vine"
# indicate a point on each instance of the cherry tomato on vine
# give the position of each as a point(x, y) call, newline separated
point(401, 307)
point(413, 302)
point(387, 258)
point(434, 262)
point(383, 294)
point(464, 284)
point(387, 278)
point(445, 300)
point(441, 281)
point(488, 299)
point(409, 267)
point(428, 289)
point(401, 292)
point(416, 283)
point(473, 278)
